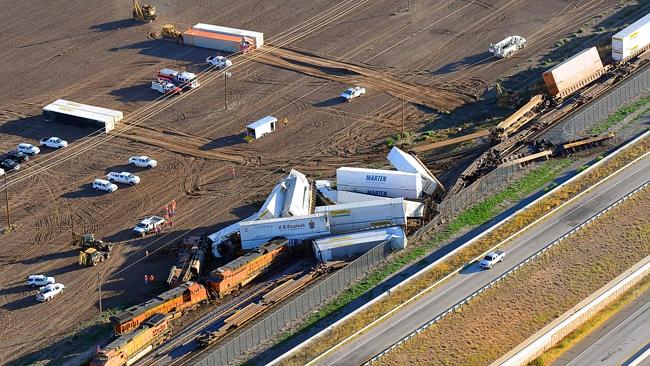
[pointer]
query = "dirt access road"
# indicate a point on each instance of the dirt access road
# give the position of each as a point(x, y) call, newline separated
point(91, 52)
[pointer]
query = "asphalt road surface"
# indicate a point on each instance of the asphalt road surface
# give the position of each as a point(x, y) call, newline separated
point(621, 340)
point(411, 317)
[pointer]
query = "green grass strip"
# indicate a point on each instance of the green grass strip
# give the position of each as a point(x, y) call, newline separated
point(620, 115)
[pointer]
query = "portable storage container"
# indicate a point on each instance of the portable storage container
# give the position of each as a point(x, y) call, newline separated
point(298, 195)
point(632, 39)
point(348, 246)
point(261, 127)
point(83, 115)
point(572, 71)
point(258, 37)
point(377, 182)
point(367, 215)
point(255, 233)
point(405, 162)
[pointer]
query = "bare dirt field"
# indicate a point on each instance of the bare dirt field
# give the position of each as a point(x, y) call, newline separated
point(501, 318)
point(92, 52)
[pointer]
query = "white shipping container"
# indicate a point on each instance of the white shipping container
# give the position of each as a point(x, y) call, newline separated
point(347, 246)
point(325, 189)
point(272, 207)
point(199, 38)
point(298, 196)
point(414, 209)
point(257, 36)
point(632, 39)
point(225, 233)
point(255, 233)
point(405, 162)
point(261, 127)
point(102, 116)
point(352, 197)
point(367, 215)
point(378, 182)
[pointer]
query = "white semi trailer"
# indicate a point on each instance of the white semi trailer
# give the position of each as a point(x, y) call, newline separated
point(405, 162)
point(378, 182)
point(255, 233)
point(367, 215)
point(348, 246)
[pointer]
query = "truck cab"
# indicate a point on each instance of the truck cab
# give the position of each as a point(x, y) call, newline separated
point(148, 225)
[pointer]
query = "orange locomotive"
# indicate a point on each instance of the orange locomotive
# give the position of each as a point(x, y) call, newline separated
point(183, 297)
point(239, 272)
point(129, 348)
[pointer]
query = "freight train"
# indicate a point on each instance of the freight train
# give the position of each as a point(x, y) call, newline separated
point(128, 348)
point(182, 298)
point(239, 272)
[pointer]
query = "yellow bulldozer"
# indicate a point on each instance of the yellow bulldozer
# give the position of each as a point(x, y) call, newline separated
point(169, 31)
point(144, 13)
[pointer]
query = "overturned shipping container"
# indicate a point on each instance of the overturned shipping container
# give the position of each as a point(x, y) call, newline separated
point(255, 233)
point(298, 199)
point(367, 215)
point(408, 163)
point(272, 207)
point(81, 115)
point(572, 71)
point(377, 182)
point(224, 234)
point(631, 40)
point(348, 246)
point(324, 188)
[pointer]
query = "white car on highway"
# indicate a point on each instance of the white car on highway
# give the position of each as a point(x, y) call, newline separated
point(123, 177)
point(491, 259)
point(54, 142)
point(48, 292)
point(104, 185)
point(142, 161)
point(39, 280)
point(28, 149)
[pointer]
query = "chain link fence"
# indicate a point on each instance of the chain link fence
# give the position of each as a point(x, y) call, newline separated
point(449, 208)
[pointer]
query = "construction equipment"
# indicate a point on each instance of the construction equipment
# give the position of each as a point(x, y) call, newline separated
point(508, 46)
point(507, 98)
point(144, 13)
point(92, 251)
point(169, 31)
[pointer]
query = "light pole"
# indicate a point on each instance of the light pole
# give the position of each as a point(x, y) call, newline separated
point(7, 203)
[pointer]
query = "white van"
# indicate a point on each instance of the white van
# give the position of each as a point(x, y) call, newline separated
point(104, 185)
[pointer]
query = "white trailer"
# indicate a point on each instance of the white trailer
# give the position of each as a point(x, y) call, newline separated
point(298, 195)
point(272, 207)
point(255, 233)
point(414, 209)
point(367, 215)
point(348, 246)
point(224, 234)
point(408, 163)
point(261, 127)
point(257, 37)
point(378, 182)
point(353, 197)
point(632, 39)
point(83, 115)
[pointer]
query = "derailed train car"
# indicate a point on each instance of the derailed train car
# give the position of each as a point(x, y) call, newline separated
point(128, 348)
point(182, 298)
point(241, 271)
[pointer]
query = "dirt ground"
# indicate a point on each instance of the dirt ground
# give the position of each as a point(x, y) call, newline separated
point(92, 52)
point(537, 294)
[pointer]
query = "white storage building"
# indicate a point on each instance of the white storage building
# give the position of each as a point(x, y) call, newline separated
point(378, 182)
point(348, 246)
point(255, 233)
point(367, 215)
point(632, 39)
point(82, 115)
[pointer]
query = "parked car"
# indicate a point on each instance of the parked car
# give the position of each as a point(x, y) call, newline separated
point(491, 259)
point(124, 178)
point(142, 161)
point(9, 165)
point(17, 156)
point(54, 142)
point(104, 185)
point(49, 291)
point(28, 149)
point(219, 62)
point(351, 93)
point(148, 225)
point(2, 172)
point(39, 280)
point(165, 87)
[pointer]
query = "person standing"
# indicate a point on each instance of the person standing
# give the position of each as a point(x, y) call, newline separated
point(173, 207)
point(146, 280)
point(232, 172)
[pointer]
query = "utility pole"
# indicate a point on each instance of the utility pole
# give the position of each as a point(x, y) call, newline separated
point(409, 6)
point(7, 203)
point(99, 287)
point(225, 89)
point(402, 112)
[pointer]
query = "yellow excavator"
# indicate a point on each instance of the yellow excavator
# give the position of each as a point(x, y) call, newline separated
point(144, 13)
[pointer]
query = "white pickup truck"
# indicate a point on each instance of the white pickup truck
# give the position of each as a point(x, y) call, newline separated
point(491, 259)
point(165, 87)
point(148, 225)
point(46, 293)
point(219, 62)
point(351, 93)
point(123, 177)
point(54, 142)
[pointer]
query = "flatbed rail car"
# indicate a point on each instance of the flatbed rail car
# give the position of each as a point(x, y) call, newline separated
point(129, 348)
point(239, 272)
point(177, 300)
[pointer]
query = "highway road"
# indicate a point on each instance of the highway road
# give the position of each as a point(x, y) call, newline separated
point(363, 347)
point(622, 340)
